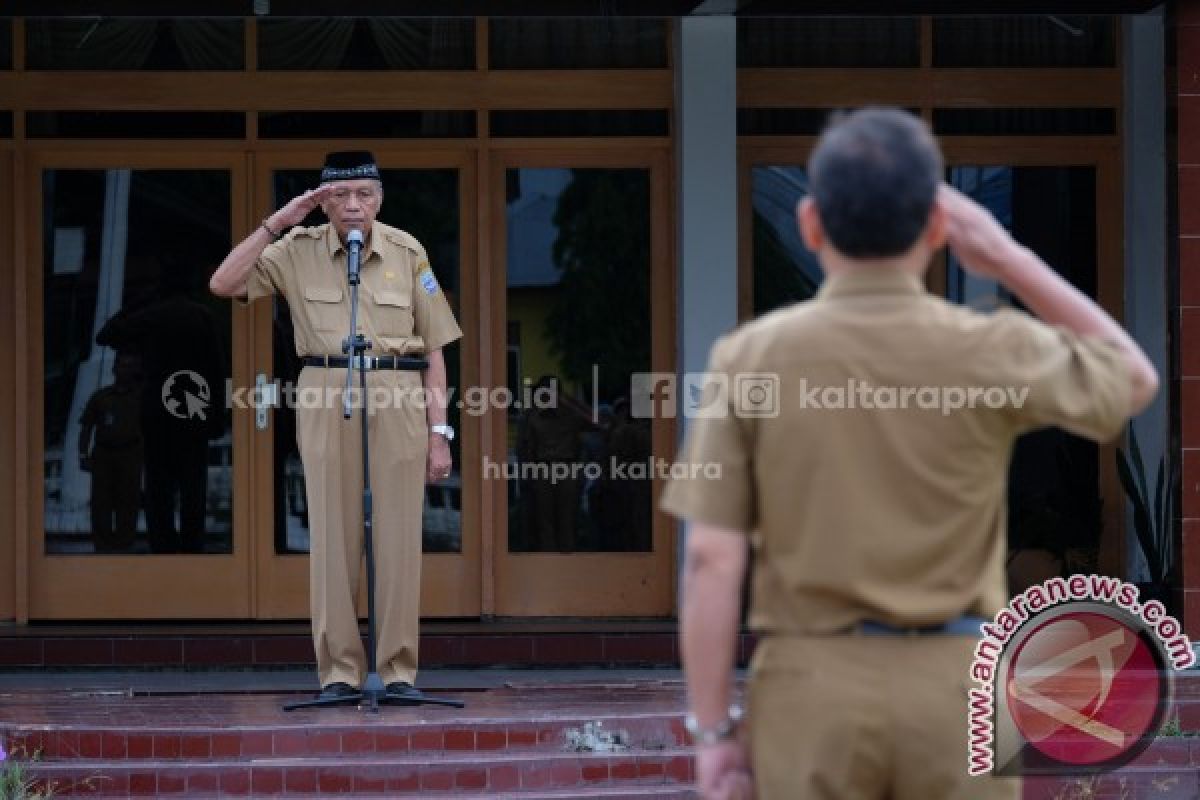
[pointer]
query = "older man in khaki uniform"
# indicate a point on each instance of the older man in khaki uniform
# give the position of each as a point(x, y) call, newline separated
point(402, 312)
point(878, 522)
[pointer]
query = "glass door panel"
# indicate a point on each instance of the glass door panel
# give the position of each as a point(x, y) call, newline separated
point(584, 307)
point(578, 289)
point(138, 445)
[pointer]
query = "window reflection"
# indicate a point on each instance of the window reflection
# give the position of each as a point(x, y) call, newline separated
point(138, 449)
point(578, 277)
point(784, 270)
point(1025, 40)
point(365, 43)
point(576, 43)
point(1054, 504)
point(829, 41)
point(5, 44)
point(123, 43)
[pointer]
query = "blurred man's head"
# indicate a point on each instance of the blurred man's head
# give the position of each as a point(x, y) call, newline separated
point(873, 181)
point(127, 369)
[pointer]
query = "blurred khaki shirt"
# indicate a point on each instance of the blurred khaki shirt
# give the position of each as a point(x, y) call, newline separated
point(402, 309)
point(896, 513)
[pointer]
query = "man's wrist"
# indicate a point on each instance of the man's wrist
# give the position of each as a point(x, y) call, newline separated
point(274, 230)
point(714, 734)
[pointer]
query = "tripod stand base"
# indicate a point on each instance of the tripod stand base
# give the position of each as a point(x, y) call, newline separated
point(373, 695)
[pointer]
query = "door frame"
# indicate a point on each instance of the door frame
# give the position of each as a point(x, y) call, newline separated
point(1100, 152)
point(450, 582)
point(107, 587)
point(8, 428)
point(556, 584)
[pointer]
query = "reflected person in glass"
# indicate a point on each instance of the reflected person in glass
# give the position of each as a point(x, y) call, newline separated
point(110, 448)
point(180, 347)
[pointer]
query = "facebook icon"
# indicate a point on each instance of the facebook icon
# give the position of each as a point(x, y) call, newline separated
point(652, 394)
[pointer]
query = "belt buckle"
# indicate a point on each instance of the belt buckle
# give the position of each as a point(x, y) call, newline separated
point(363, 362)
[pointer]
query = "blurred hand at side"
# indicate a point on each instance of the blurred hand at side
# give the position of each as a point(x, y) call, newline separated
point(723, 771)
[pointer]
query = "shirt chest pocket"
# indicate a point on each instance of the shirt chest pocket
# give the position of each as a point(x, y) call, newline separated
point(392, 313)
point(323, 307)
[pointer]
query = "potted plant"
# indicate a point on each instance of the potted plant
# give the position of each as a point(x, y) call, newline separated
point(1153, 515)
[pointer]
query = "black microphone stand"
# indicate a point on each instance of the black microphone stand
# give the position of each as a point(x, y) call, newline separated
point(374, 692)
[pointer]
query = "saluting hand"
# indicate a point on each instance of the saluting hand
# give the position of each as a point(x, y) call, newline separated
point(977, 239)
point(300, 207)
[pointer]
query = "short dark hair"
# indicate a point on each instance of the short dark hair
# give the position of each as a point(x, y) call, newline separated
point(874, 176)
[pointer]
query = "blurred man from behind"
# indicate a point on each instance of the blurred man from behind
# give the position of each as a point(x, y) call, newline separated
point(879, 532)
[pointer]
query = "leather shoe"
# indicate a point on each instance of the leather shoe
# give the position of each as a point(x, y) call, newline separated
point(403, 689)
point(336, 690)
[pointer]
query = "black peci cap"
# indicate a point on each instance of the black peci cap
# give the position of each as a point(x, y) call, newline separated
point(349, 165)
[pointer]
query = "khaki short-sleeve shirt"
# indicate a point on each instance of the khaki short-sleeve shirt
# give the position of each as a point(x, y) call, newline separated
point(872, 477)
point(402, 308)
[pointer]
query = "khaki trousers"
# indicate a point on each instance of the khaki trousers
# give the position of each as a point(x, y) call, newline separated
point(331, 450)
point(864, 717)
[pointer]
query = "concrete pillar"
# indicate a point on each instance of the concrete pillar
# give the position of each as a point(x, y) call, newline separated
point(1183, 152)
point(706, 182)
point(706, 186)
point(1145, 203)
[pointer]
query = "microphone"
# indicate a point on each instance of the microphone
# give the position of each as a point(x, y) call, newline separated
point(354, 243)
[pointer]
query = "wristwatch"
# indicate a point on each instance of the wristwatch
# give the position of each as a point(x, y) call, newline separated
point(709, 736)
point(444, 430)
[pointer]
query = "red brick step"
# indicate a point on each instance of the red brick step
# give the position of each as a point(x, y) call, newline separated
point(389, 735)
point(459, 773)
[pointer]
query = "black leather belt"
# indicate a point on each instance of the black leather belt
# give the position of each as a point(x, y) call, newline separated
point(966, 625)
point(370, 362)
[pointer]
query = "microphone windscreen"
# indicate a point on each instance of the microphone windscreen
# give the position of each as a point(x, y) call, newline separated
point(355, 236)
